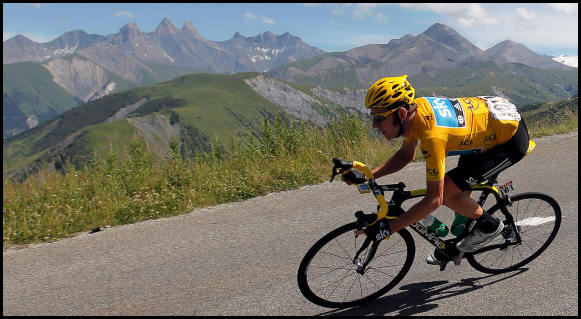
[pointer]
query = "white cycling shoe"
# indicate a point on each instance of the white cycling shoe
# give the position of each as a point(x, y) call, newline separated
point(478, 239)
point(432, 260)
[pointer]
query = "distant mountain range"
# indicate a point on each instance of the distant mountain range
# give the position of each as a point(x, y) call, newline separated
point(77, 67)
point(172, 46)
point(439, 47)
point(90, 66)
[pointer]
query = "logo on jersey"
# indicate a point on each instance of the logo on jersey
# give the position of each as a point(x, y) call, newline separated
point(490, 139)
point(465, 144)
point(432, 172)
point(447, 112)
point(425, 153)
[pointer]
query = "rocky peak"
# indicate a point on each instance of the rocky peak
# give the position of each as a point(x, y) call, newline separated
point(446, 35)
point(129, 31)
point(286, 36)
point(189, 28)
point(20, 39)
point(269, 36)
point(237, 35)
point(166, 27)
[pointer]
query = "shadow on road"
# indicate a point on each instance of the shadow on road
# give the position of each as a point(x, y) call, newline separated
point(418, 298)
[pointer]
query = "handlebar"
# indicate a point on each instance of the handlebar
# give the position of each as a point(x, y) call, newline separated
point(343, 167)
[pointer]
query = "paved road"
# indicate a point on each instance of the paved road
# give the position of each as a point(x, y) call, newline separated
point(242, 258)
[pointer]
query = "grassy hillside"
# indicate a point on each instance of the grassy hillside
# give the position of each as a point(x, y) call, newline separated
point(512, 80)
point(522, 84)
point(28, 89)
point(205, 106)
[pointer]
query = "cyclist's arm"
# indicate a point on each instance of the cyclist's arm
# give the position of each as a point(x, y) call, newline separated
point(398, 161)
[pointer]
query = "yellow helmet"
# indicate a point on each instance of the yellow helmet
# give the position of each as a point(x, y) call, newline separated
point(388, 91)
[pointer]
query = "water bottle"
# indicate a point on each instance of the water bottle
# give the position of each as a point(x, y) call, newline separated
point(433, 224)
point(459, 224)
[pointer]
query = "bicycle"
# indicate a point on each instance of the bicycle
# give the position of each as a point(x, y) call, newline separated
point(343, 270)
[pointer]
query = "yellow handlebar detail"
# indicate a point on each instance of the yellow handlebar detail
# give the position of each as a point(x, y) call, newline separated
point(378, 196)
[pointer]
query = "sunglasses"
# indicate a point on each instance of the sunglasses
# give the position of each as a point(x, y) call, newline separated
point(380, 117)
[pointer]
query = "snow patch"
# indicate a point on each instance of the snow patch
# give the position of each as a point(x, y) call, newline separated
point(168, 56)
point(66, 50)
point(567, 60)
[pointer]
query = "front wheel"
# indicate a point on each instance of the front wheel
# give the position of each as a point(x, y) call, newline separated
point(327, 275)
point(537, 218)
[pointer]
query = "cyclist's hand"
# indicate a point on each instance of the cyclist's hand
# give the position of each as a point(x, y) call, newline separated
point(353, 177)
point(379, 230)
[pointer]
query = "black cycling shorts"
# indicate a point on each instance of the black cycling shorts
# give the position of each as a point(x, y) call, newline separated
point(476, 168)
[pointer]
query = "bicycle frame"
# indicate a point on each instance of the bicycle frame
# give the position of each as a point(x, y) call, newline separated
point(400, 196)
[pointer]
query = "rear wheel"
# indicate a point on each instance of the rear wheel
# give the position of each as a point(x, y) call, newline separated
point(537, 218)
point(327, 275)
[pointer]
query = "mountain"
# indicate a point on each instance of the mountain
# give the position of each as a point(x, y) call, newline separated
point(89, 66)
point(170, 45)
point(196, 108)
point(19, 48)
point(511, 52)
point(439, 47)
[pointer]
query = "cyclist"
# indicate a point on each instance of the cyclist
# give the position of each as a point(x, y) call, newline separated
point(487, 132)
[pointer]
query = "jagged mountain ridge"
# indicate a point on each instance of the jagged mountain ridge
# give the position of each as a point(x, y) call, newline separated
point(173, 46)
point(438, 47)
point(90, 66)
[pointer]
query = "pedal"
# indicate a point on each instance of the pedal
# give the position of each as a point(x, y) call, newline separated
point(458, 258)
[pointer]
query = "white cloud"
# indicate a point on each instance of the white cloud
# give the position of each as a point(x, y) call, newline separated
point(526, 14)
point(364, 9)
point(124, 13)
point(539, 27)
point(249, 15)
point(568, 8)
point(461, 10)
point(267, 20)
point(35, 5)
point(311, 4)
point(468, 14)
point(339, 8)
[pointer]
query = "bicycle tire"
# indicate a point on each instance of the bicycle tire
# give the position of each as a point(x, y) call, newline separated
point(537, 217)
point(328, 277)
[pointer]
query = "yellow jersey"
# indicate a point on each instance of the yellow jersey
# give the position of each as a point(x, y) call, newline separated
point(457, 126)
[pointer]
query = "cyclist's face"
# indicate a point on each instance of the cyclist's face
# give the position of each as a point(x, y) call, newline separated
point(385, 127)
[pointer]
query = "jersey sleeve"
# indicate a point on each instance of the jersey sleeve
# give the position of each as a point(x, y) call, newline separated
point(434, 152)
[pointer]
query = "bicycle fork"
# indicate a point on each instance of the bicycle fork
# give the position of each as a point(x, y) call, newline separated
point(370, 254)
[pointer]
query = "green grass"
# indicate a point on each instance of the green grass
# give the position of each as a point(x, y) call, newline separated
point(131, 186)
point(31, 86)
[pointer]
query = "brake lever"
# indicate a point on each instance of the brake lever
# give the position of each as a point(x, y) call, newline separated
point(336, 171)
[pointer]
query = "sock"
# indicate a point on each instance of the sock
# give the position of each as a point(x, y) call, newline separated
point(487, 223)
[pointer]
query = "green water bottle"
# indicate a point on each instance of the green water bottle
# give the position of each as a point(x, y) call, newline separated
point(459, 224)
point(435, 225)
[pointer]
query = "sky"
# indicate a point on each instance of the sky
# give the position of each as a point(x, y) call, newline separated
point(545, 28)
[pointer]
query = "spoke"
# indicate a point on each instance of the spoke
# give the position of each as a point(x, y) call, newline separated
point(353, 283)
point(328, 272)
point(342, 257)
point(373, 282)
point(335, 282)
point(343, 249)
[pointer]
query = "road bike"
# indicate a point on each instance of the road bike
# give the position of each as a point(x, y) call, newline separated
point(343, 269)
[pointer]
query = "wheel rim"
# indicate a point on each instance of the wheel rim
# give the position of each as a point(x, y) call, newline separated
point(332, 278)
point(537, 219)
